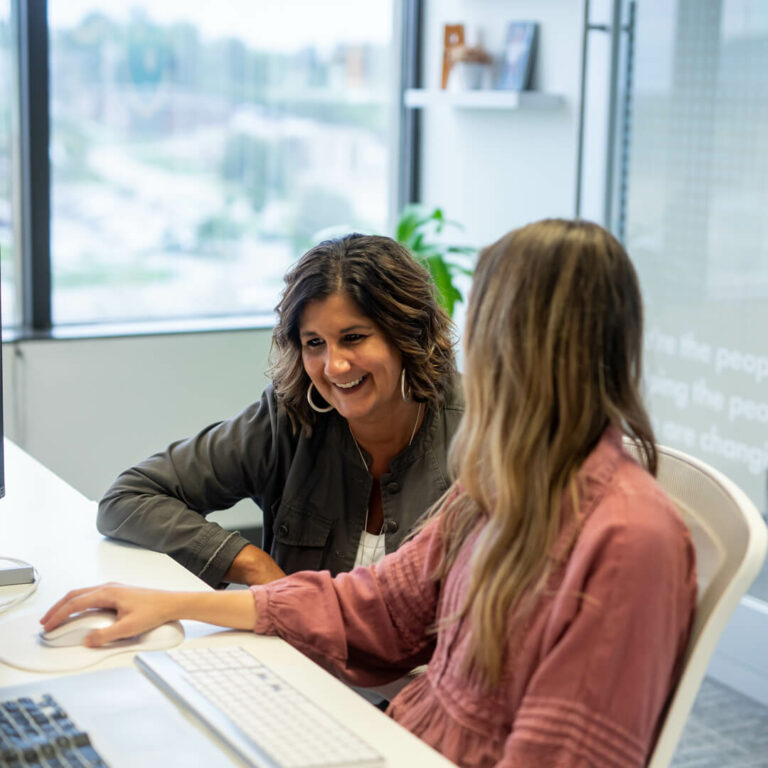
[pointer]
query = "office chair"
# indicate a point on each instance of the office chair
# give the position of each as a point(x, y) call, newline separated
point(730, 537)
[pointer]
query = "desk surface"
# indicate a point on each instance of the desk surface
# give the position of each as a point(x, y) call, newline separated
point(51, 525)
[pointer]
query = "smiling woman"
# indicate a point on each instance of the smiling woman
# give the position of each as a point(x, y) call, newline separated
point(350, 361)
point(344, 452)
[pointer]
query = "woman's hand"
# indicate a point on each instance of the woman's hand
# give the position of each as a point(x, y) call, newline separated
point(137, 610)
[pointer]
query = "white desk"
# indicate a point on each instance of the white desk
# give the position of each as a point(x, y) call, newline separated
point(50, 524)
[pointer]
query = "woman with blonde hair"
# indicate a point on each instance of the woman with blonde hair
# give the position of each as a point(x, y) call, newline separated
point(552, 591)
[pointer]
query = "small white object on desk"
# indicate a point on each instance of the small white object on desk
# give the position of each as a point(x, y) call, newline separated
point(75, 629)
point(15, 572)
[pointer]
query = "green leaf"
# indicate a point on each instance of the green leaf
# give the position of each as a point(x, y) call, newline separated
point(418, 243)
point(419, 229)
point(406, 227)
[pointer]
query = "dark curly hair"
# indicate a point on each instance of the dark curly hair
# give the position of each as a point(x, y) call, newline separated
point(390, 288)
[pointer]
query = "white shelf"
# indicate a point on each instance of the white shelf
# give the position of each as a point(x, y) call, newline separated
point(417, 98)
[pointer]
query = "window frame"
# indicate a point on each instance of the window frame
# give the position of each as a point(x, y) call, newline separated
point(32, 230)
point(33, 247)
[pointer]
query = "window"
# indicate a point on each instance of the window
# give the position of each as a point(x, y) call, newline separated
point(696, 229)
point(196, 150)
point(7, 166)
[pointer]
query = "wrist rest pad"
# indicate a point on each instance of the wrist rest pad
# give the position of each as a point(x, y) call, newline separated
point(22, 648)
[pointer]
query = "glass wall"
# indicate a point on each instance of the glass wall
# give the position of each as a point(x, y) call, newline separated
point(697, 229)
point(8, 198)
point(197, 149)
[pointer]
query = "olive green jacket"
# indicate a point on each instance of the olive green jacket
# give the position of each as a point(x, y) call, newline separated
point(313, 490)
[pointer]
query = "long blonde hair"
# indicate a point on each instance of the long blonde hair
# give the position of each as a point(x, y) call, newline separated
point(553, 356)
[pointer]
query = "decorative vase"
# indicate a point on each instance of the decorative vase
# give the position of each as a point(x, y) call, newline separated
point(468, 76)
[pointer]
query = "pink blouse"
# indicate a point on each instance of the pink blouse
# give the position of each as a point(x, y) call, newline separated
point(587, 674)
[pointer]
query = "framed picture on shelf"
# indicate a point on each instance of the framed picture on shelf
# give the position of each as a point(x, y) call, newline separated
point(519, 55)
point(453, 39)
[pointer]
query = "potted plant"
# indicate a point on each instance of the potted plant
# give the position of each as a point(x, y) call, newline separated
point(471, 68)
point(420, 230)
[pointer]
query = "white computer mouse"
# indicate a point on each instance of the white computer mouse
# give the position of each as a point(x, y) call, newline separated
point(73, 631)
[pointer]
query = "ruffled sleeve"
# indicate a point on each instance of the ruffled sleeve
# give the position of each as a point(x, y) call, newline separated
point(370, 625)
point(613, 646)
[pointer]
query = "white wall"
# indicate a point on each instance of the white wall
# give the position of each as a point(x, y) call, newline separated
point(88, 409)
point(496, 170)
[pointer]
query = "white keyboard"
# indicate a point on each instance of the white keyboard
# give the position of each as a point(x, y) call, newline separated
point(260, 716)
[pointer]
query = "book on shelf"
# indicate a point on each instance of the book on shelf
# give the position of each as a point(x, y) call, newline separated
point(519, 56)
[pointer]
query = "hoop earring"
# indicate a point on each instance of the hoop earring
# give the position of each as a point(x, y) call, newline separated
point(312, 405)
point(407, 397)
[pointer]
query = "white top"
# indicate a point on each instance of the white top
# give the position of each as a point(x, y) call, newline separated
point(370, 549)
